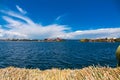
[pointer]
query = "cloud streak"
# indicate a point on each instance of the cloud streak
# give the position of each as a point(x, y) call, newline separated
point(58, 17)
point(21, 26)
point(20, 10)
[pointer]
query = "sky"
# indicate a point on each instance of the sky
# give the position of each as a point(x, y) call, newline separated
point(68, 19)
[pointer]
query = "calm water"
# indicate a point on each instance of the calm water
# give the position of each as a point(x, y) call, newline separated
point(47, 55)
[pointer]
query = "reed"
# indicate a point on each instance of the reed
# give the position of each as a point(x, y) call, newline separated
point(87, 73)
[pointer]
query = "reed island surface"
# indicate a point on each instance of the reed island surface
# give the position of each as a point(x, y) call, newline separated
point(87, 73)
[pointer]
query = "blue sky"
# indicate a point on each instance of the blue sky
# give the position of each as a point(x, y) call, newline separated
point(59, 18)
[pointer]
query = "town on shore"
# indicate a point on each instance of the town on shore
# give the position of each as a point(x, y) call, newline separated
point(37, 40)
point(61, 40)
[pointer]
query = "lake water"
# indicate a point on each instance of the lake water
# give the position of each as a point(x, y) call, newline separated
point(47, 55)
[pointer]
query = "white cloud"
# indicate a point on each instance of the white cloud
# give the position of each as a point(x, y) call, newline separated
point(23, 26)
point(20, 26)
point(20, 10)
point(98, 33)
point(12, 23)
point(19, 16)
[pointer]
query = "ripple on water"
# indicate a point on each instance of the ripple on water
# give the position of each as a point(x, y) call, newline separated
point(45, 55)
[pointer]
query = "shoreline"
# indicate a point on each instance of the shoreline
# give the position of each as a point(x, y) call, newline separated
point(87, 73)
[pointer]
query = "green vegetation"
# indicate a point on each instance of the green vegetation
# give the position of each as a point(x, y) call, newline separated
point(118, 55)
point(117, 40)
point(84, 40)
point(101, 40)
point(88, 73)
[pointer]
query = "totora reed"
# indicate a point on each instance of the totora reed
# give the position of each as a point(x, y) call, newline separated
point(87, 73)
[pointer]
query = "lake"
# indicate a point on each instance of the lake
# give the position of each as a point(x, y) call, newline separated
point(47, 55)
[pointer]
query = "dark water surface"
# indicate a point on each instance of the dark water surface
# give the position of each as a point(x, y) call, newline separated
point(47, 55)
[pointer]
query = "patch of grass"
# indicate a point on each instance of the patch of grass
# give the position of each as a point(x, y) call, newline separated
point(88, 73)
